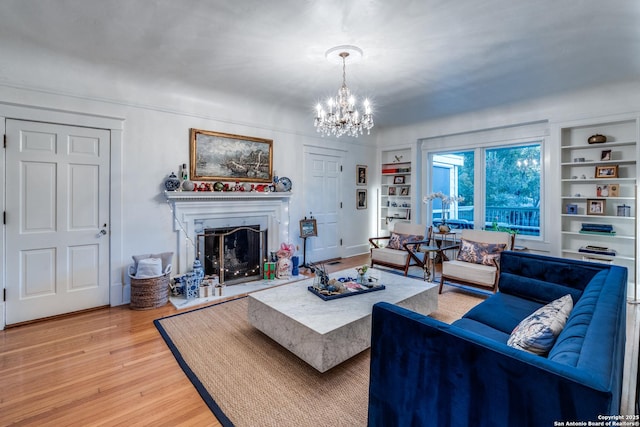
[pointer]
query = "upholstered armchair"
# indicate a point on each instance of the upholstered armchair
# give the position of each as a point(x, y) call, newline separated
point(402, 249)
point(478, 260)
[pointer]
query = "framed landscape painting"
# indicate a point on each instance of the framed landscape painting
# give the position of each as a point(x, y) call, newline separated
point(219, 156)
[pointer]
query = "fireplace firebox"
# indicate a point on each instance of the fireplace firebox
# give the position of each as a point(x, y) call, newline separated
point(235, 254)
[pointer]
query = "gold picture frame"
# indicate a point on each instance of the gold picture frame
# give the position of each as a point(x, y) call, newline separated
point(217, 156)
point(609, 171)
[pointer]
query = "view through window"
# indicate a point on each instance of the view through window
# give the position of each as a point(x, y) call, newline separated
point(509, 179)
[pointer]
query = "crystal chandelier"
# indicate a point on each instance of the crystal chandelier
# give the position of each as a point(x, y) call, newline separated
point(341, 115)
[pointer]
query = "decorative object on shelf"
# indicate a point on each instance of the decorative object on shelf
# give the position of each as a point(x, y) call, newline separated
point(392, 191)
point(295, 264)
point(571, 209)
point(404, 191)
point(605, 155)
point(361, 175)
point(343, 116)
point(597, 139)
point(607, 190)
point(623, 210)
point(603, 229)
point(399, 179)
point(446, 203)
point(283, 184)
point(596, 206)
point(222, 156)
point(361, 199)
point(188, 185)
point(610, 171)
point(284, 266)
point(172, 182)
point(218, 186)
point(600, 250)
point(269, 270)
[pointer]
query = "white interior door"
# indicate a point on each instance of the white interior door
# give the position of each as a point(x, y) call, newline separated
point(57, 219)
point(323, 199)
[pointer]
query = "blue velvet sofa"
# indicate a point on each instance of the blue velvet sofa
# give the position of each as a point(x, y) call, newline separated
point(428, 373)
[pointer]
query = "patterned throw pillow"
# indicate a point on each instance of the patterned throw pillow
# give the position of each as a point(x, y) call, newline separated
point(398, 239)
point(538, 332)
point(480, 253)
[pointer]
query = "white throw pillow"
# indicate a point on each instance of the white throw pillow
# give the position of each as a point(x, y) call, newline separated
point(538, 332)
point(149, 267)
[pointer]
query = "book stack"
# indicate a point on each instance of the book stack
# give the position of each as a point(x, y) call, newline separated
point(597, 229)
point(600, 250)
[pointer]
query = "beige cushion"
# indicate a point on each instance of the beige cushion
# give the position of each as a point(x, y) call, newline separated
point(469, 272)
point(406, 228)
point(389, 256)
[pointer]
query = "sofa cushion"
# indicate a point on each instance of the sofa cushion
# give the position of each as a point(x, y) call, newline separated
point(502, 311)
point(537, 290)
point(538, 332)
point(479, 252)
point(482, 329)
point(397, 240)
point(470, 272)
point(570, 342)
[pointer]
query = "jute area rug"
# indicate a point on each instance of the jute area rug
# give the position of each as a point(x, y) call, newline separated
point(249, 380)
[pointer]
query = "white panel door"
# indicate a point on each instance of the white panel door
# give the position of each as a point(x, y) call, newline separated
point(323, 199)
point(57, 198)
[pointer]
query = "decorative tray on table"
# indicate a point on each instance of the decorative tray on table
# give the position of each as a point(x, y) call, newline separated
point(344, 287)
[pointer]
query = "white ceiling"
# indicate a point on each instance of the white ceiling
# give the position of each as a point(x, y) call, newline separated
point(422, 59)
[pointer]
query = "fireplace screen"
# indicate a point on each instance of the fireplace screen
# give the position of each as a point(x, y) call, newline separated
point(235, 254)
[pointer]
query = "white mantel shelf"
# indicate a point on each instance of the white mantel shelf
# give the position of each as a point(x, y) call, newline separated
point(183, 196)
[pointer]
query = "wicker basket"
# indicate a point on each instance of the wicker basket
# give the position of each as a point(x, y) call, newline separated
point(148, 293)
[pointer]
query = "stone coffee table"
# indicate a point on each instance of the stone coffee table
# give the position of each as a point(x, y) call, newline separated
point(326, 333)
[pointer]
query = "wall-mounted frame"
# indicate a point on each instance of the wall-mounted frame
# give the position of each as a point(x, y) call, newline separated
point(219, 156)
point(361, 199)
point(610, 171)
point(398, 179)
point(361, 175)
point(308, 228)
point(596, 206)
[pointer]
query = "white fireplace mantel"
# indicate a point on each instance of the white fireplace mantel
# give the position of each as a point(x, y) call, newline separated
point(226, 209)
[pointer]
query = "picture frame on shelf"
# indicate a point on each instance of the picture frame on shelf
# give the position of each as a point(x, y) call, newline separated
point(571, 209)
point(608, 190)
point(361, 199)
point(596, 206)
point(404, 191)
point(361, 175)
point(605, 155)
point(392, 191)
point(398, 179)
point(217, 156)
point(308, 227)
point(609, 171)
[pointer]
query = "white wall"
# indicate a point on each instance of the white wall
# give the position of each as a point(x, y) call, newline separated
point(155, 141)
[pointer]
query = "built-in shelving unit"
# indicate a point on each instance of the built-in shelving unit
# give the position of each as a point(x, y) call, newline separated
point(598, 192)
point(395, 188)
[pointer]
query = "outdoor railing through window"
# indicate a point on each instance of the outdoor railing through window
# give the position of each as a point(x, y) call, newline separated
point(525, 221)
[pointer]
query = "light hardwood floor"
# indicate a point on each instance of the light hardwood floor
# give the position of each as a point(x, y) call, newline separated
point(111, 367)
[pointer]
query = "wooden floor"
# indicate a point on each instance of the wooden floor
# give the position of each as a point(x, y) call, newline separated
point(110, 367)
